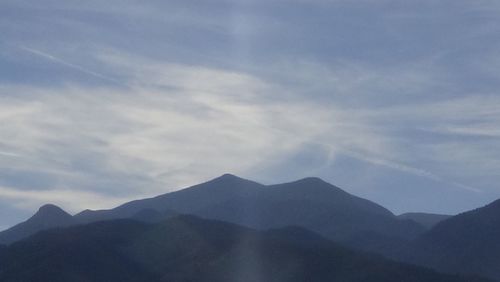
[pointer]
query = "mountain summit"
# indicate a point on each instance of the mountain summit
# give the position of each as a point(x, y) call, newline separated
point(48, 216)
point(50, 211)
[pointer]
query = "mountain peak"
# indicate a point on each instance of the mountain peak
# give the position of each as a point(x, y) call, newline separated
point(228, 176)
point(48, 216)
point(312, 180)
point(228, 181)
point(317, 183)
point(50, 212)
point(312, 187)
point(50, 209)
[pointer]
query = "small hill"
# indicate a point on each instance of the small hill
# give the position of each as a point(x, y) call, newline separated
point(48, 216)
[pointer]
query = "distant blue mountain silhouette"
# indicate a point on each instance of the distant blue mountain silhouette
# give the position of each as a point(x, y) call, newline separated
point(428, 220)
point(186, 248)
point(310, 202)
point(466, 243)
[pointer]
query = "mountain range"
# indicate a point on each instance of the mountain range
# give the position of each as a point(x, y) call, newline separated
point(310, 202)
point(186, 248)
point(467, 243)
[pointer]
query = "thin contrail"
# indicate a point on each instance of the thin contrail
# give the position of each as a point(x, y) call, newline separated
point(68, 64)
point(409, 169)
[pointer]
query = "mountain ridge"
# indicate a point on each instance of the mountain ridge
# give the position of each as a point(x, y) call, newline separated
point(313, 204)
point(308, 202)
point(188, 248)
point(301, 202)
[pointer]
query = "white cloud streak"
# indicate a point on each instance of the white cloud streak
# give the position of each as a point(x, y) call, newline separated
point(9, 154)
point(68, 64)
point(409, 169)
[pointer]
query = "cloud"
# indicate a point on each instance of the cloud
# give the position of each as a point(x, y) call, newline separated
point(179, 124)
point(242, 87)
point(9, 154)
point(182, 125)
point(69, 64)
point(411, 170)
point(478, 130)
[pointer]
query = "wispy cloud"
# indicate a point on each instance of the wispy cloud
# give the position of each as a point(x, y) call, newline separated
point(68, 64)
point(9, 154)
point(230, 83)
point(180, 118)
point(478, 130)
point(409, 169)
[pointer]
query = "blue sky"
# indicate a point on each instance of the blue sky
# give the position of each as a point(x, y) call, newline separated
point(107, 101)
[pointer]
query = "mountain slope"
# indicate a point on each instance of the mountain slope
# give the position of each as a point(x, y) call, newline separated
point(186, 200)
point(48, 216)
point(191, 249)
point(466, 243)
point(2, 251)
point(427, 220)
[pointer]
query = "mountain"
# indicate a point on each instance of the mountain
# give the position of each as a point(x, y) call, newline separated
point(310, 203)
point(428, 220)
point(147, 210)
point(186, 248)
point(466, 243)
point(152, 215)
point(2, 250)
point(48, 216)
point(315, 205)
